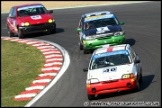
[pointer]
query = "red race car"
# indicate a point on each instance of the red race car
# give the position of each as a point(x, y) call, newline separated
point(30, 18)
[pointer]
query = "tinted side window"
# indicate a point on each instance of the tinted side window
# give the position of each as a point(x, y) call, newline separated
point(10, 13)
point(80, 23)
point(132, 53)
point(14, 12)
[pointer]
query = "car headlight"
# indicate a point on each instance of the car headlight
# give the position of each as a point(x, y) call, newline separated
point(89, 37)
point(94, 80)
point(25, 24)
point(119, 33)
point(125, 76)
point(50, 20)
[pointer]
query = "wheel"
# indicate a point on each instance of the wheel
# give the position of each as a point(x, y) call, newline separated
point(91, 97)
point(10, 33)
point(53, 30)
point(141, 79)
point(20, 34)
point(85, 51)
point(80, 46)
point(138, 84)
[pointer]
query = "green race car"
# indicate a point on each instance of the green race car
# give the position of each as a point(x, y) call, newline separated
point(99, 29)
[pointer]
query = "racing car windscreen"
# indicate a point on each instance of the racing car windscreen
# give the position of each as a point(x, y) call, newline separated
point(101, 23)
point(111, 60)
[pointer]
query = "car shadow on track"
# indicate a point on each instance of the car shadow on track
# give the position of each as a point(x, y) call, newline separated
point(147, 80)
point(32, 35)
point(130, 41)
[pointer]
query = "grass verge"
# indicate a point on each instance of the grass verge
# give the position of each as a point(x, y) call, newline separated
point(20, 65)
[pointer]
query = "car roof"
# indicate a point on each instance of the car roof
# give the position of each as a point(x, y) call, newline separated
point(111, 48)
point(97, 13)
point(23, 5)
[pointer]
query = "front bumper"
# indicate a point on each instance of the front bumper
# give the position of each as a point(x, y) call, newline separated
point(110, 87)
point(37, 28)
point(98, 42)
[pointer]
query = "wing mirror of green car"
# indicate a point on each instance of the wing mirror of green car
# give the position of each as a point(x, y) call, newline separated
point(122, 23)
point(85, 69)
point(78, 29)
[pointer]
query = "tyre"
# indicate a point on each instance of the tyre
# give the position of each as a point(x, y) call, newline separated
point(53, 30)
point(91, 97)
point(80, 46)
point(10, 33)
point(141, 79)
point(138, 85)
point(85, 51)
point(20, 34)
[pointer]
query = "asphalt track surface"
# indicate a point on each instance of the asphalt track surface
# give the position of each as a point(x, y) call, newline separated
point(143, 33)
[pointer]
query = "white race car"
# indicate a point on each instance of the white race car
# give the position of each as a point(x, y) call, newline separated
point(113, 69)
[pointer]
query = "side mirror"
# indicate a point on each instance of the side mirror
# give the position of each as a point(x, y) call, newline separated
point(78, 29)
point(85, 69)
point(122, 23)
point(50, 11)
point(12, 16)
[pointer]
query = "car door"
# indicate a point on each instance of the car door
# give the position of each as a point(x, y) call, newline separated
point(11, 20)
point(80, 32)
point(135, 58)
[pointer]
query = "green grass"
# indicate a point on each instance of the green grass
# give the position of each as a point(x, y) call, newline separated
point(20, 65)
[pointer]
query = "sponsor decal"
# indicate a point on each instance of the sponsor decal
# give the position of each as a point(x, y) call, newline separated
point(110, 53)
point(102, 30)
point(36, 17)
point(89, 18)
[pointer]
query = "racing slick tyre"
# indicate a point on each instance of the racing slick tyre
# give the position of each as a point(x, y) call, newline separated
point(91, 97)
point(20, 34)
point(10, 33)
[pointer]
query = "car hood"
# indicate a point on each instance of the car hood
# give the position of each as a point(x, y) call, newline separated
point(102, 30)
point(110, 73)
point(36, 19)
